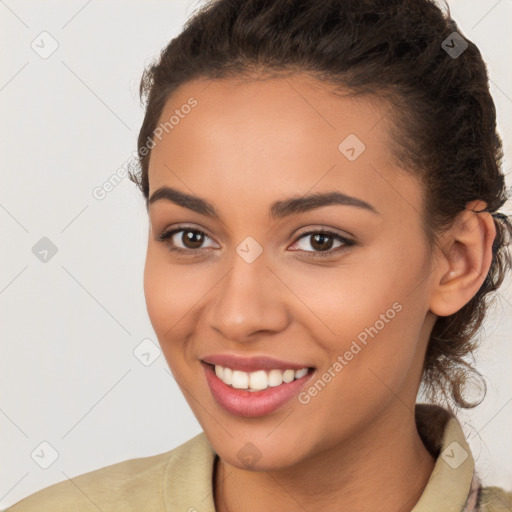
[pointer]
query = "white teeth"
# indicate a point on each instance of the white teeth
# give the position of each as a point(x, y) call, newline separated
point(289, 375)
point(275, 378)
point(227, 375)
point(240, 380)
point(301, 373)
point(258, 380)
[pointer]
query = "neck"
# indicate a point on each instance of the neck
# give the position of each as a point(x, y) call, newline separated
point(363, 473)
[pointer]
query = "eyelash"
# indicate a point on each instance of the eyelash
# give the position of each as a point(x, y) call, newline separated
point(166, 237)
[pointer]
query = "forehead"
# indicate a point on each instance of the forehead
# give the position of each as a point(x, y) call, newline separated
point(278, 135)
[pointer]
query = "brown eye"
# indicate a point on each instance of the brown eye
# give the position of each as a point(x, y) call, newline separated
point(192, 239)
point(184, 240)
point(322, 243)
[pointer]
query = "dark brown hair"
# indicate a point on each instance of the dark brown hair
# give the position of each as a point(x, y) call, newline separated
point(443, 116)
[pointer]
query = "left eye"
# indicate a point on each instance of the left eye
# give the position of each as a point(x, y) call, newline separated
point(322, 242)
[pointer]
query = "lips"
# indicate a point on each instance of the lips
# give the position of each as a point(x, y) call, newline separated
point(242, 402)
point(254, 402)
point(252, 364)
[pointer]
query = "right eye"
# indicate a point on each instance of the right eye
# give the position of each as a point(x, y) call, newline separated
point(190, 239)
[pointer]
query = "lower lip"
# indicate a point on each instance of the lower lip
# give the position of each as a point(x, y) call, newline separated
point(252, 403)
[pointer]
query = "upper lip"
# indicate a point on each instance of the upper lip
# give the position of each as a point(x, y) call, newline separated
point(250, 364)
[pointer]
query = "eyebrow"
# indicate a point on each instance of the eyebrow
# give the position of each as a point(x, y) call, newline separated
point(278, 209)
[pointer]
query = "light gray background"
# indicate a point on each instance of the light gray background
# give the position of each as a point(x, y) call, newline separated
point(68, 374)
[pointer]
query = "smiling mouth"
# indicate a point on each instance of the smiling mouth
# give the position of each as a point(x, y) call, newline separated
point(258, 380)
point(256, 393)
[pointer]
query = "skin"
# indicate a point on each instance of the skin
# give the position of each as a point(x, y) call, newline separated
point(245, 145)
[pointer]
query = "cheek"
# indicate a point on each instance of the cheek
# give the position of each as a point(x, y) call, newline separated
point(370, 362)
point(341, 302)
point(369, 310)
point(170, 294)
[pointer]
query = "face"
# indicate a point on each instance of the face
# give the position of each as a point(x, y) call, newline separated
point(253, 273)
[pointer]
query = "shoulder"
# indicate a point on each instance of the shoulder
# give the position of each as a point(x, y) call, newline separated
point(495, 499)
point(131, 485)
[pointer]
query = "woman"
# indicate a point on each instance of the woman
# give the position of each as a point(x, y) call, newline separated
point(323, 184)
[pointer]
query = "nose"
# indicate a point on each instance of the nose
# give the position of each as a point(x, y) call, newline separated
point(249, 301)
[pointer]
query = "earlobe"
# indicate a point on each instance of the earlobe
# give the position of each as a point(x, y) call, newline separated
point(465, 260)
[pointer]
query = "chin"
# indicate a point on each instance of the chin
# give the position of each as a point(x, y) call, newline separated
point(261, 451)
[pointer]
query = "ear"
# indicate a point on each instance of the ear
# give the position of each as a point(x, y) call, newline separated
point(464, 259)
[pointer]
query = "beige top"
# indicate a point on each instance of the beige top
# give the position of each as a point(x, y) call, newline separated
point(180, 480)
